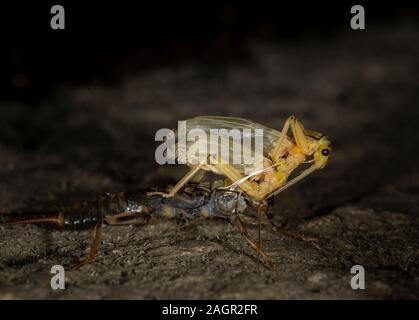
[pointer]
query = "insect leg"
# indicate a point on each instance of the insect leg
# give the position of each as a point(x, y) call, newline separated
point(93, 247)
point(127, 218)
point(188, 177)
point(243, 231)
point(234, 175)
point(293, 181)
point(136, 218)
point(260, 227)
point(276, 152)
point(251, 188)
point(298, 132)
point(299, 135)
point(294, 235)
point(198, 176)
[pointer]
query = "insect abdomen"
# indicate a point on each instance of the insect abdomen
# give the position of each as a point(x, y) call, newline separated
point(87, 214)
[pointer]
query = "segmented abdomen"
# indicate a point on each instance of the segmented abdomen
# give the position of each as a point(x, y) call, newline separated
point(86, 215)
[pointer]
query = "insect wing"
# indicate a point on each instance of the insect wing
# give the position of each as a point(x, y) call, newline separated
point(229, 127)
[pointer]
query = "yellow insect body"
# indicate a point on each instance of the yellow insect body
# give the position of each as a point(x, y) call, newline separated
point(282, 154)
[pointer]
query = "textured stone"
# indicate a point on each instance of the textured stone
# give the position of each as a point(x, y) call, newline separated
point(360, 89)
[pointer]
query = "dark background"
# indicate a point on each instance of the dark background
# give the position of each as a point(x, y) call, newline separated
point(105, 41)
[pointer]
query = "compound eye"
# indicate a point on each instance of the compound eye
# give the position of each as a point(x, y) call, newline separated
point(325, 152)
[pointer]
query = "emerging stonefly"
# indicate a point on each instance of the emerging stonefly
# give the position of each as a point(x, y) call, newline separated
point(282, 154)
point(241, 197)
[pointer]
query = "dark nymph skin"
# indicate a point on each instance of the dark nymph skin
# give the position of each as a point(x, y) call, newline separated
point(138, 207)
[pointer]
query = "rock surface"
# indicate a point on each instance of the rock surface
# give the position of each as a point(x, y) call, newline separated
point(361, 90)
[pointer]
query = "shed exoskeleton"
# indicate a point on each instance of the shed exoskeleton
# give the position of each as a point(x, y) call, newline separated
point(136, 207)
